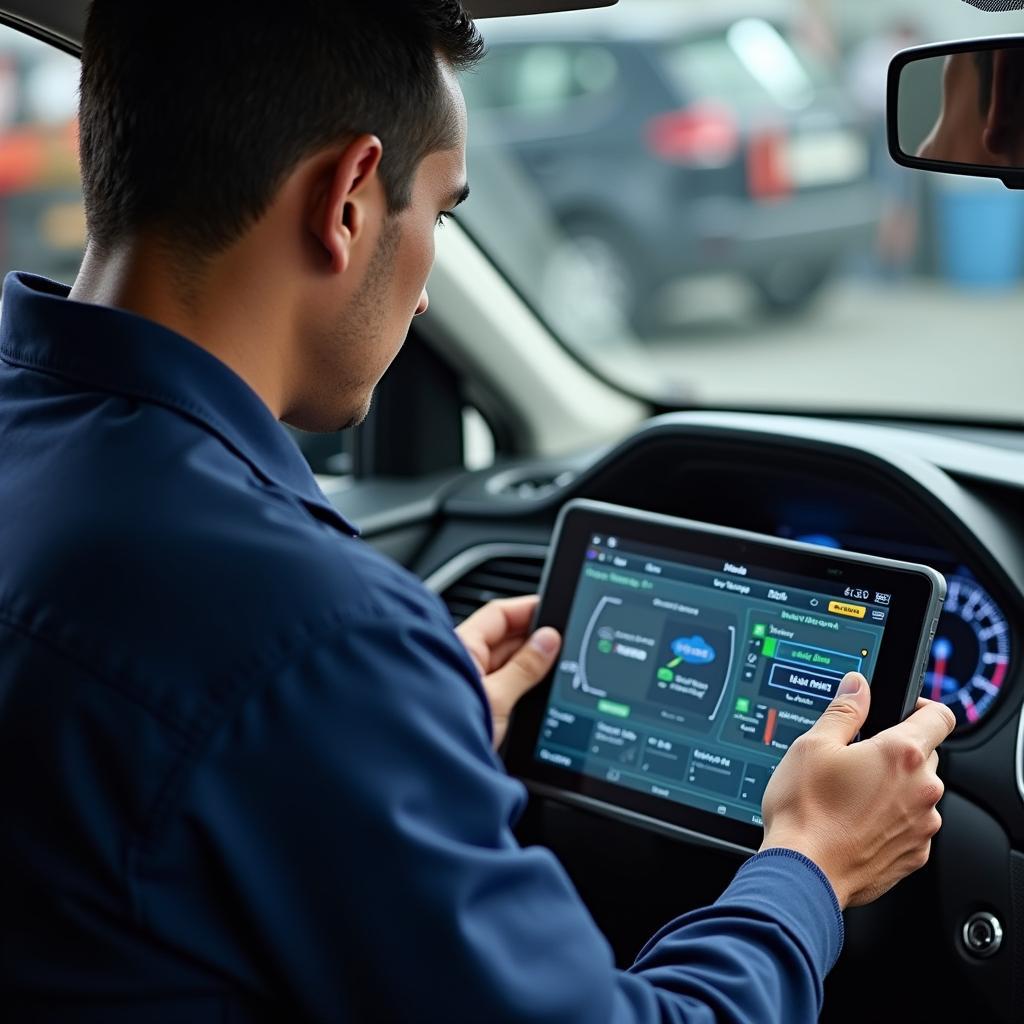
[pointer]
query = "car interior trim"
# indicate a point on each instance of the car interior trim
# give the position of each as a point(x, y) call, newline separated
point(472, 558)
point(635, 818)
point(1020, 754)
point(489, 333)
point(62, 22)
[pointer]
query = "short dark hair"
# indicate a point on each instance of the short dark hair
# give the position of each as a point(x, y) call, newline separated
point(193, 113)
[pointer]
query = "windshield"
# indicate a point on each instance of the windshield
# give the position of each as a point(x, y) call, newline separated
point(697, 198)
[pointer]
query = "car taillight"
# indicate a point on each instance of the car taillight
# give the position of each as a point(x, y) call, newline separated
point(768, 172)
point(703, 135)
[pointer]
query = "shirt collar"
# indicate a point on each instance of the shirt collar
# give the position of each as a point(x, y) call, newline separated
point(118, 352)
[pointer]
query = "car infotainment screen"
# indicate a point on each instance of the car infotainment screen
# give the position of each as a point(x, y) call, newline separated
point(691, 663)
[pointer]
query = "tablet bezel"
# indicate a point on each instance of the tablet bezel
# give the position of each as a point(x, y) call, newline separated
point(918, 592)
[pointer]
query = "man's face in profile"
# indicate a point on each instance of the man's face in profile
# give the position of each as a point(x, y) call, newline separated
point(351, 342)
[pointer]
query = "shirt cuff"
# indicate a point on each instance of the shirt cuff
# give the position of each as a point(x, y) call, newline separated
point(794, 890)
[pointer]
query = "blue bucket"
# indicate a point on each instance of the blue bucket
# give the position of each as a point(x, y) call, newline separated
point(981, 234)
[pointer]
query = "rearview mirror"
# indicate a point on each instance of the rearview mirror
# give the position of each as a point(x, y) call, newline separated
point(958, 108)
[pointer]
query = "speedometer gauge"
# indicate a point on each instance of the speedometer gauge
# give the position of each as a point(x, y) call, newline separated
point(970, 653)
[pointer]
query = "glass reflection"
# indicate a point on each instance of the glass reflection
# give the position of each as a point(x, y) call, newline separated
point(980, 118)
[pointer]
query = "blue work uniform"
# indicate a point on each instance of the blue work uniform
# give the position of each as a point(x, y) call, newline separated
point(246, 766)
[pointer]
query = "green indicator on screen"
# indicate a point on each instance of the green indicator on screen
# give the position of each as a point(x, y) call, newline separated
point(768, 649)
point(604, 646)
point(742, 705)
point(666, 675)
point(760, 629)
point(609, 707)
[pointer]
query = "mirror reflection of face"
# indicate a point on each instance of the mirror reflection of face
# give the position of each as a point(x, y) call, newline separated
point(981, 120)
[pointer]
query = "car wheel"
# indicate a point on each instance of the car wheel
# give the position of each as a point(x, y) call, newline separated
point(593, 290)
point(789, 288)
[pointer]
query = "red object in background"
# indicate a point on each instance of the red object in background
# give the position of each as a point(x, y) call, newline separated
point(769, 729)
point(767, 165)
point(35, 157)
point(22, 160)
point(703, 135)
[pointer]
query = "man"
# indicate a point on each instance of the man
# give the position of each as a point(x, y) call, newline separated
point(246, 766)
point(981, 120)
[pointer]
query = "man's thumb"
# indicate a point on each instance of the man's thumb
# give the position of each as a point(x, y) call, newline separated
point(529, 665)
point(843, 718)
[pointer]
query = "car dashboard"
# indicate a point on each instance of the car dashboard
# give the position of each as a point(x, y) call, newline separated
point(956, 503)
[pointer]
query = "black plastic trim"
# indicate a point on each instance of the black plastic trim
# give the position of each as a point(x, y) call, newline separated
point(1008, 176)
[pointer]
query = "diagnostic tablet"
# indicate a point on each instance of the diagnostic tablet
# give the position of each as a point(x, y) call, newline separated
point(694, 655)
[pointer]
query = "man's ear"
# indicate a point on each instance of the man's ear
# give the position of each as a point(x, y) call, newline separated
point(349, 196)
point(1002, 132)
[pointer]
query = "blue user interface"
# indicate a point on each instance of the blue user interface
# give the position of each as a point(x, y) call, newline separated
point(690, 680)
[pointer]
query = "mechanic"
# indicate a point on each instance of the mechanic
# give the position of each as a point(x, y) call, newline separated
point(247, 768)
point(980, 119)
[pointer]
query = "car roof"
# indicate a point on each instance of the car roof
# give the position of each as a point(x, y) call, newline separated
point(637, 21)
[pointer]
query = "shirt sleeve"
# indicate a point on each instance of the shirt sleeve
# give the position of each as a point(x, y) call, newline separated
point(344, 844)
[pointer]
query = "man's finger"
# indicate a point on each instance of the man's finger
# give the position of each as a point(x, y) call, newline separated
point(504, 651)
point(499, 619)
point(525, 669)
point(843, 718)
point(928, 726)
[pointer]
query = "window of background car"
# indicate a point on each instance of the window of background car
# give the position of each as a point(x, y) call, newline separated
point(749, 66)
point(699, 201)
point(537, 81)
point(42, 225)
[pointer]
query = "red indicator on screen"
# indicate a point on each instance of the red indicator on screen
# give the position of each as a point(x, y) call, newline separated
point(769, 729)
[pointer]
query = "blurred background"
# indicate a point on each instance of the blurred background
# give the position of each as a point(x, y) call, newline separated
point(695, 196)
point(699, 199)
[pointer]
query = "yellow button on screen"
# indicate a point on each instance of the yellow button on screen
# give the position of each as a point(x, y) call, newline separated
point(855, 611)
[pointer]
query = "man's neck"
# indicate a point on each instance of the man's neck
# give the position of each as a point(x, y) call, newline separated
point(137, 278)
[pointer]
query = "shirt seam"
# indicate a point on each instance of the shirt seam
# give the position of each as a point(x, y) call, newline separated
point(807, 862)
point(196, 415)
point(239, 687)
point(180, 728)
point(55, 368)
point(300, 643)
point(216, 707)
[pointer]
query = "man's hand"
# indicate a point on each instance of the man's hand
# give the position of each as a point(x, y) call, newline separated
point(864, 813)
point(508, 661)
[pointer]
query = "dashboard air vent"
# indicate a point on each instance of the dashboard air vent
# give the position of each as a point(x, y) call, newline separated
point(511, 576)
point(525, 485)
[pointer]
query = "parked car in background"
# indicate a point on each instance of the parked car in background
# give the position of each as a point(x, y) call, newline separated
point(666, 141)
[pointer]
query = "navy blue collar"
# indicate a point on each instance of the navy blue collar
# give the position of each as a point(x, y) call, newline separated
point(118, 352)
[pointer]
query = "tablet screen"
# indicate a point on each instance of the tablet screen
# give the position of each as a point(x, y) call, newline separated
point(688, 677)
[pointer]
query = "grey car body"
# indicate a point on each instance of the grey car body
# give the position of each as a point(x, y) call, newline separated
point(670, 143)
